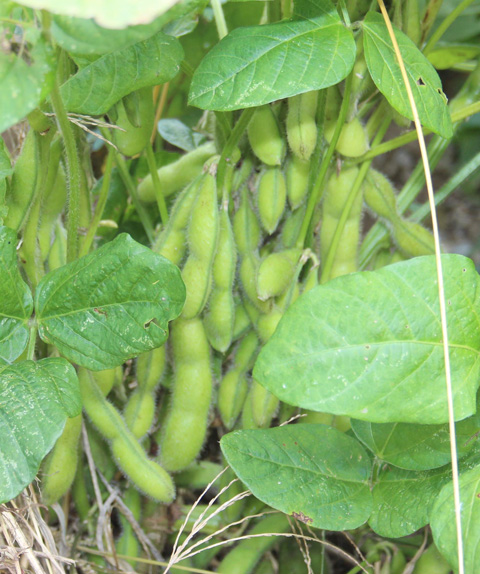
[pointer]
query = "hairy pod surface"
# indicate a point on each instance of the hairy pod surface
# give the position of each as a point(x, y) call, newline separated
point(297, 176)
point(265, 138)
point(185, 427)
point(175, 176)
point(276, 272)
point(132, 137)
point(301, 126)
point(246, 228)
point(271, 198)
point(353, 140)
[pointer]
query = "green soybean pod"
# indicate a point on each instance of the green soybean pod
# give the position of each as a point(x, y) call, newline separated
point(233, 387)
point(431, 562)
point(220, 317)
point(202, 244)
point(338, 189)
point(271, 198)
point(24, 181)
point(53, 204)
point(248, 277)
point(264, 405)
point(145, 474)
point(107, 379)
point(276, 272)
point(242, 321)
point(57, 256)
point(133, 136)
point(380, 196)
point(246, 555)
point(301, 126)
point(353, 140)
point(198, 475)
point(175, 176)
point(246, 228)
point(185, 427)
point(139, 410)
point(412, 239)
point(297, 175)
point(265, 138)
point(61, 464)
point(128, 544)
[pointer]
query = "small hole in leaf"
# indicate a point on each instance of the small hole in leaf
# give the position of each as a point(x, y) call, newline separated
point(420, 82)
point(147, 324)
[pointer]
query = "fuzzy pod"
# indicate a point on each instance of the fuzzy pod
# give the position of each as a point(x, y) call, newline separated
point(246, 228)
point(292, 225)
point(301, 126)
point(339, 187)
point(151, 367)
point(380, 196)
point(133, 136)
point(57, 256)
point(220, 317)
point(176, 175)
point(297, 176)
point(248, 278)
point(60, 466)
point(276, 272)
point(185, 427)
point(139, 412)
point(203, 231)
point(107, 379)
point(412, 239)
point(242, 321)
point(271, 198)
point(431, 562)
point(267, 324)
point(265, 138)
point(24, 181)
point(353, 140)
point(128, 544)
point(52, 206)
point(145, 474)
point(264, 405)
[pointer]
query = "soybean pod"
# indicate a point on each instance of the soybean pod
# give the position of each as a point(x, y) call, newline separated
point(202, 245)
point(271, 198)
point(301, 126)
point(185, 427)
point(135, 128)
point(128, 544)
point(148, 476)
point(220, 317)
point(265, 138)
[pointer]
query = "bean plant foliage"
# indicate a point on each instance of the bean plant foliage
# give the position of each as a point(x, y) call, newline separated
point(184, 260)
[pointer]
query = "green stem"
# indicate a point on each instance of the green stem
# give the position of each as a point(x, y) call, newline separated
point(102, 200)
point(73, 172)
point(219, 18)
point(345, 15)
point(32, 339)
point(452, 184)
point(356, 189)
point(230, 146)
point(449, 20)
point(132, 190)
point(429, 17)
point(315, 196)
point(157, 186)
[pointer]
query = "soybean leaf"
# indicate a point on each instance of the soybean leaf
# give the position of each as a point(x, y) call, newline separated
point(426, 86)
point(445, 56)
point(24, 84)
point(108, 13)
point(16, 304)
point(178, 134)
point(313, 472)
point(415, 446)
point(95, 88)
point(403, 499)
point(256, 65)
point(36, 398)
point(443, 522)
point(80, 36)
point(110, 305)
point(369, 345)
point(5, 163)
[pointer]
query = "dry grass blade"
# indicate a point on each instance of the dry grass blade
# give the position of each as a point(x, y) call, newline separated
point(441, 291)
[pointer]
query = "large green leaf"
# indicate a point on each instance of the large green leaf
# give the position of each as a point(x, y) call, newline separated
point(415, 446)
point(108, 13)
point(16, 304)
point(369, 345)
point(95, 88)
point(443, 521)
point(24, 84)
point(81, 36)
point(256, 65)
point(313, 472)
point(403, 499)
point(36, 398)
point(110, 305)
point(426, 86)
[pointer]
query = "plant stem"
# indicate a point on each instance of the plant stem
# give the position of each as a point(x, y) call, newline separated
point(315, 196)
point(219, 18)
point(157, 186)
point(230, 146)
point(32, 339)
point(73, 171)
point(357, 186)
point(449, 20)
point(102, 200)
